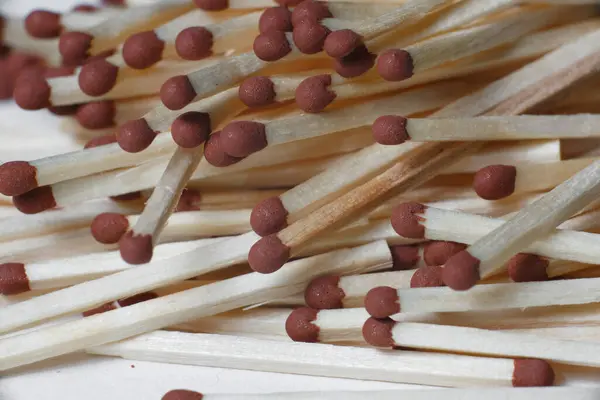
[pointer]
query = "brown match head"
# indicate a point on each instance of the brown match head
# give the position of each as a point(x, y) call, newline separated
point(257, 91)
point(404, 257)
point(428, 276)
point(194, 43)
point(43, 24)
point(271, 46)
point(299, 326)
point(356, 63)
point(461, 272)
point(341, 43)
point(395, 65)
point(85, 8)
point(439, 252)
point(275, 19)
point(382, 302)
point(177, 92)
point(212, 5)
point(35, 201)
point(191, 129)
point(310, 10)
point(13, 279)
point(406, 221)
point(188, 201)
point(314, 94)
point(7, 83)
point(100, 141)
point(323, 293)
point(390, 130)
point(378, 332)
point(214, 153)
point(32, 92)
point(495, 182)
point(269, 216)
point(98, 77)
point(97, 114)
point(74, 47)
point(17, 177)
point(136, 249)
point(64, 110)
point(142, 50)
point(242, 138)
point(310, 37)
point(137, 298)
point(109, 228)
point(528, 268)
point(532, 373)
point(268, 255)
point(181, 394)
point(135, 135)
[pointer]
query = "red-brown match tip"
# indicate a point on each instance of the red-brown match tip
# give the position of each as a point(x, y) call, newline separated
point(495, 182)
point(74, 47)
point(214, 153)
point(100, 141)
point(17, 177)
point(342, 43)
point(177, 92)
point(191, 129)
point(310, 37)
point(439, 252)
point(378, 332)
point(404, 257)
point(142, 50)
point(428, 276)
point(528, 268)
point(395, 65)
point(97, 114)
point(310, 10)
point(269, 216)
point(268, 255)
point(35, 201)
point(136, 249)
point(212, 5)
point(98, 77)
point(275, 19)
point(135, 135)
point(194, 43)
point(13, 279)
point(406, 221)
point(356, 63)
point(299, 326)
point(181, 394)
point(257, 91)
point(32, 92)
point(390, 130)
point(242, 138)
point(382, 302)
point(314, 94)
point(532, 373)
point(323, 293)
point(109, 228)
point(461, 272)
point(271, 46)
point(188, 201)
point(43, 24)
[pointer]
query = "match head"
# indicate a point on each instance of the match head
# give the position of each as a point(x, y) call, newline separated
point(32, 92)
point(532, 373)
point(382, 302)
point(269, 216)
point(356, 63)
point(17, 177)
point(268, 255)
point(257, 91)
point(191, 129)
point(74, 47)
point(323, 293)
point(313, 94)
point(181, 394)
point(97, 114)
point(341, 43)
point(528, 268)
point(43, 24)
point(177, 92)
point(406, 222)
point(378, 332)
point(100, 141)
point(271, 46)
point(310, 10)
point(136, 249)
point(109, 228)
point(428, 276)
point(142, 50)
point(35, 201)
point(188, 201)
point(194, 43)
point(390, 130)
point(461, 272)
point(310, 37)
point(98, 77)
point(495, 182)
point(212, 5)
point(135, 135)
point(299, 326)
point(439, 252)
point(13, 279)
point(275, 19)
point(404, 257)
point(242, 138)
point(62, 111)
point(395, 65)
point(214, 153)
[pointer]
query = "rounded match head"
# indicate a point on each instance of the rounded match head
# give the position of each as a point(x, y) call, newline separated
point(98, 77)
point(404, 257)
point(428, 276)
point(13, 279)
point(299, 326)
point(191, 129)
point(100, 141)
point(142, 50)
point(310, 10)
point(32, 92)
point(314, 94)
point(395, 65)
point(356, 63)
point(271, 46)
point(188, 201)
point(257, 91)
point(461, 272)
point(532, 373)
point(194, 43)
point(97, 114)
point(109, 228)
point(17, 177)
point(323, 293)
point(214, 153)
point(382, 302)
point(7, 83)
point(269, 216)
point(275, 19)
point(495, 182)
point(528, 268)
point(378, 332)
point(181, 394)
point(212, 5)
point(74, 47)
point(35, 201)
point(135, 135)
point(242, 138)
point(177, 92)
point(268, 255)
point(136, 249)
point(137, 298)
point(406, 220)
point(310, 37)
point(390, 130)
point(341, 43)
point(43, 24)
point(439, 252)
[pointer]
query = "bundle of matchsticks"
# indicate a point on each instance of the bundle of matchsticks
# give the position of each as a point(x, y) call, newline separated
point(392, 190)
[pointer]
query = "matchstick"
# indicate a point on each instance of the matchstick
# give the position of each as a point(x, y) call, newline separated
point(309, 325)
point(43, 24)
point(109, 113)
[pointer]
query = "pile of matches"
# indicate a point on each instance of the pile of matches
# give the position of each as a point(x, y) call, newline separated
point(391, 190)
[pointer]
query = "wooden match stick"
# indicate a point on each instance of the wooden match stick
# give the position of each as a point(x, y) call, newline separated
point(43, 24)
point(109, 113)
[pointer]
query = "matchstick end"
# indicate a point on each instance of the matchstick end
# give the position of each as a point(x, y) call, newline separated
point(32, 91)
point(269, 216)
point(495, 182)
point(314, 94)
point(406, 222)
point(390, 130)
point(310, 10)
point(241, 138)
point(299, 326)
point(177, 92)
point(428, 276)
point(191, 129)
point(382, 302)
point(461, 272)
point(135, 135)
point(356, 63)
point(275, 19)
point(323, 293)
point(378, 332)
point(143, 50)
point(309, 36)
point(109, 228)
point(17, 177)
point(395, 65)
point(212, 5)
point(194, 43)
point(438, 252)
point(136, 249)
point(13, 279)
point(74, 47)
point(43, 24)
point(97, 77)
point(268, 255)
point(97, 114)
point(528, 268)
point(214, 153)
point(271, 46)
point(404, 257)
point(181, 394)
point(532, 373)
point(35, 201)
point(257, 91)
point(341, 43)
